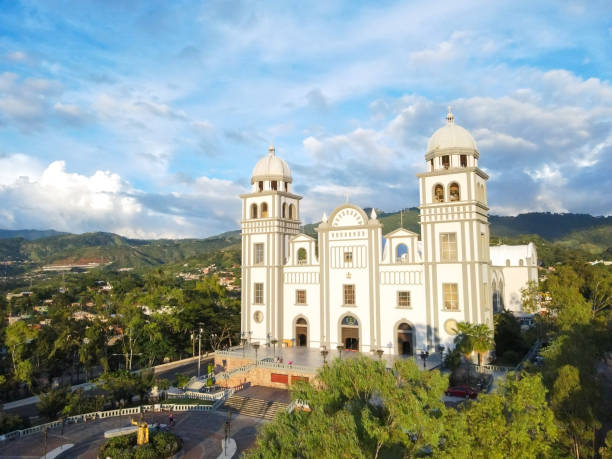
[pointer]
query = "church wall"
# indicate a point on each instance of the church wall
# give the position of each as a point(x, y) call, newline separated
point(356, 242)
point(515, 279)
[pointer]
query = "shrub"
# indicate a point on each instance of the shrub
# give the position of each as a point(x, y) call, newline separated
point(10, 422)
point(161, 445)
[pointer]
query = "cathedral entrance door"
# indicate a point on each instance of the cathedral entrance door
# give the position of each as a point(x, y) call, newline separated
point(301, 332)
point(404, 339)
point(349, 330)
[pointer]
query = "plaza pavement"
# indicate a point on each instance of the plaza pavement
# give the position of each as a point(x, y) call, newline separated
point(201, 433)
point(311, 357)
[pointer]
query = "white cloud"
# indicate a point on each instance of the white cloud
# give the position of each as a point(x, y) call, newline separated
point(62, 200)
point(17, 56)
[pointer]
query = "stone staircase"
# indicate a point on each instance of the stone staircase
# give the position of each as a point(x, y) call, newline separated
point(254, 407)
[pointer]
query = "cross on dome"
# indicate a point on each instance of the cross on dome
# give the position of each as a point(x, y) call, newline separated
point(271, 150)
point(450, 118)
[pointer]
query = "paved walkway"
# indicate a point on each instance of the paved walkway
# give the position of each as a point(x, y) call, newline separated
point(311, 357)
point(201, 434)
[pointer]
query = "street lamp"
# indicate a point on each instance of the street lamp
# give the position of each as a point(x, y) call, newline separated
point(380, 353)
point(440, 349)
point(274, 341)
point(340, 348)
point(424, 356)
point(256, 347)
point(324, 353)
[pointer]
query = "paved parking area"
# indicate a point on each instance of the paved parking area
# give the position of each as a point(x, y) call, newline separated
point(201, 433)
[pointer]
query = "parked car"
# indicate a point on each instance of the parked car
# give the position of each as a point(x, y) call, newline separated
point(462, 391)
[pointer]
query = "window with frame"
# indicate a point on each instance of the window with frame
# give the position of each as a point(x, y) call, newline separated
point(259, 253)
point(258, 289)
point(349, 294)
point(448, 246)
point(300, 297)
point(445, 161)
point(450, 297)
point(348, 257)
point(403, 299)
point(463, 159)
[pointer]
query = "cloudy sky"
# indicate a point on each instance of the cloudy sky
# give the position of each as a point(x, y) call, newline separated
point(146, 118)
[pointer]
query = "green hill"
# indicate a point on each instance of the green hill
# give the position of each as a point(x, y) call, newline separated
point(108, 247)
point(557, 236)
point(30, 235)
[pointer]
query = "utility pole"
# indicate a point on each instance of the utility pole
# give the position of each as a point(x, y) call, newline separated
point(199, 351)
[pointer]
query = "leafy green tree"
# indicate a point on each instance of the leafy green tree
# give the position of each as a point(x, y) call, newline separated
point(52, 403)
point(17, 337)
point(359, 409)
point(515, 422)
point(508, 336)
point(93, 350)
point(79, 402)
point(573, 405)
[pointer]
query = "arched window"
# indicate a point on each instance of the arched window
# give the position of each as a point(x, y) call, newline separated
point(401, 253)
point(301, 256)
point(264, 210)
point(260, 186)
point(453, 192)
point(438, 193)
point(349, 321)
point(301, 321)
point(292, 215)
point(274, 185)
point(521, 262)
point(253, 210)
point(284, 210)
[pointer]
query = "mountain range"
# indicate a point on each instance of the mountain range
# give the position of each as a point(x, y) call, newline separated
point(558, 236)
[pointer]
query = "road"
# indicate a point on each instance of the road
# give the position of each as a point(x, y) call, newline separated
point(201, 432)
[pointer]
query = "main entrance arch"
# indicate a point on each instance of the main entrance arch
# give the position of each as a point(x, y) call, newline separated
point(406, 338)
point(301, 332)
point(349, 333)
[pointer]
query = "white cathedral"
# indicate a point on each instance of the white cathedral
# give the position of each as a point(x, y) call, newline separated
point(357, 288)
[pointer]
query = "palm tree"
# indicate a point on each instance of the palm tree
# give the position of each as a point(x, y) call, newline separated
point(464, 341)
point(482, 340)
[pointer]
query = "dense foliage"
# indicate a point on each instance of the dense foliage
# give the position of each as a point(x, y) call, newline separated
point(360, 409)
point(71, 329)
point(161, 445)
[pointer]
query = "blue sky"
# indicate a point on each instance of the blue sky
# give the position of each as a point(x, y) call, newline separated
point(146, 118)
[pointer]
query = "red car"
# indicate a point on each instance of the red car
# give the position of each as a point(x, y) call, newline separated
point(462, 391)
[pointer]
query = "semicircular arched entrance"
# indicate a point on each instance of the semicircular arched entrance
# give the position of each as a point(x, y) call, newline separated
point(405, 338)
point(349, 332)
point(300, 325)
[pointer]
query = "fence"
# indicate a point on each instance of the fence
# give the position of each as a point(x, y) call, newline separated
point(111, 413)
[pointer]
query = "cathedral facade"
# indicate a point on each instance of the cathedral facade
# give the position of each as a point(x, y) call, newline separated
point(354, 287)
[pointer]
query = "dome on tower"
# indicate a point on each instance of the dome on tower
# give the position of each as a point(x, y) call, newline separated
point(271, 167)
point(451, 136)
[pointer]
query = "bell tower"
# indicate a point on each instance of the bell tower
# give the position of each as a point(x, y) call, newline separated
point(455, 233)
point(270, 217)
